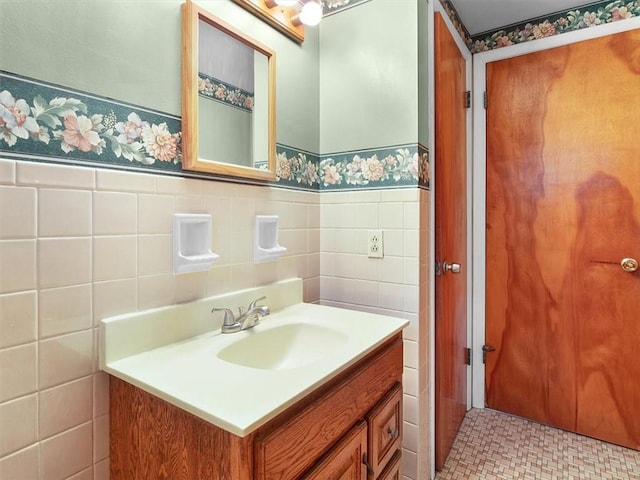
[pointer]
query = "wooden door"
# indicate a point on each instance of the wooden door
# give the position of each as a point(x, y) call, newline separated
point(345, 461)
point(451, 239)
point(563, 210)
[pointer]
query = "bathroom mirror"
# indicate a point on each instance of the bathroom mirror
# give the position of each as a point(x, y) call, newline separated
point(228, 99)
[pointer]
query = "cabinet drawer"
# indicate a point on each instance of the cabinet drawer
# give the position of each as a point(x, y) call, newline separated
point(392, 472)
point(385, 429)
point(292, 443)
point(344, 460)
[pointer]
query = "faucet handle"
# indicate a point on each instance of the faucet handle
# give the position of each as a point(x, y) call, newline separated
point(253, 304)
point(229, 317)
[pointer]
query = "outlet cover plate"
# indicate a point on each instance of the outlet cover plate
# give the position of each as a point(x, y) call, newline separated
point(375, 244)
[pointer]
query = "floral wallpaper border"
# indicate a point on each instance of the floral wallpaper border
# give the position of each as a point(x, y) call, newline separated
point(452, 13)
point(40, 120)
point(587, 16)
point(217, 90)
point(329, 7)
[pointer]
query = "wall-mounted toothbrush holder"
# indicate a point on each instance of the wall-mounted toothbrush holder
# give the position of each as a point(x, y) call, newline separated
point(192, 243)
point(266, 246)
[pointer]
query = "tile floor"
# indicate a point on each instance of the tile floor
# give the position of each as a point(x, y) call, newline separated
point(492, 445)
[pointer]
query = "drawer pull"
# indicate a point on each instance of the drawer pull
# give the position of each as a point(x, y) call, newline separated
point(365, 461)
point(393, 432)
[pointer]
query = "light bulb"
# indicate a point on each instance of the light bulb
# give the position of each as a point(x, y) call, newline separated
point(311, 13)
point(286, 3)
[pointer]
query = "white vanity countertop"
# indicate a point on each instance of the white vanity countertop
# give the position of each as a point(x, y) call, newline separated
point(189, 374)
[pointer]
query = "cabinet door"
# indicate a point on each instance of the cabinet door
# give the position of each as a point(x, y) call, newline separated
point(345, 460)
point(385, 429)
point(392, 472)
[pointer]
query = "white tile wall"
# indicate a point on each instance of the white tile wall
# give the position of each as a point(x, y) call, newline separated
point(395, 285)
point(79, 244)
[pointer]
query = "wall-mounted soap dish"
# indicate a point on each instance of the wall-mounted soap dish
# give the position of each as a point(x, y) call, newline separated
point(266, 247)
point(192, 243)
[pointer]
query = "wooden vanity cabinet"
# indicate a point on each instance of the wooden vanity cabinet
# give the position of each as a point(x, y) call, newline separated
point(327, 435)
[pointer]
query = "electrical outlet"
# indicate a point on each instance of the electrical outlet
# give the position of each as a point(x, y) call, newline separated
point(375, 245)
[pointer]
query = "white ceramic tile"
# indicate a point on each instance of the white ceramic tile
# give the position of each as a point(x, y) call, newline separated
point(313, 265)
point(411, 243)
point(393, 242)
point(345, 241)
point(101, 470)
point(327, 240)
point(391, 215)
point(410, 436)
point(100, 394)
point(17, 318)
point(410, 299)
point(155, 254)
point(64, 310)
point(155, 213)
point(411, 331)
point(409, 194)
point(18, 370)
point(365, 215)
point(411, 271)
point(243, 213)
point(409, 465)
point(115, 213)
point(313, 240)
point(410, 409)
point(391, 295)
point(18, 423)
point(411, 215)
point(7, 171)
point(241, 249)
point(44, 174)
point(294, 240)
point(65, 358)
point(313, 216)
point(410, 381)
point(155, 291)
point(17, 212)
point(335, 197)
point(114, 297)
point(223, 189)
point(64, 261)
point(64, 213)
point(179, 186)
point(327, 264)
point(65, 406)
point(125, 181)
point(68, 453)
point(366, 293)
point(218, 280)
point(17, 265)
point(101, 438)
point(22, 465)
point(268, 272)
point(242, 276)
point(367, 268)
point(292, 215)
point(190, 204)
point(115, 257)
point(391, 269)
point(311, 290)
point(410, 353)
point(190, 286)
point(344, 265)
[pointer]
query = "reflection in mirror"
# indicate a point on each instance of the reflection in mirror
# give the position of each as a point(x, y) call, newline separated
point(228, 96)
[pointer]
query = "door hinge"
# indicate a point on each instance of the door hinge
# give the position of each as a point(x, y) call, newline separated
point(467, 99)
point(486, 100)
point(468, 359)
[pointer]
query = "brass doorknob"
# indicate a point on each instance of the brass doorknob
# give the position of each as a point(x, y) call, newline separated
point(629, 265)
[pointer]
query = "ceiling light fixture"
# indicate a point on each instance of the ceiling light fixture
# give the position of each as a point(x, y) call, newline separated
point(311, 13)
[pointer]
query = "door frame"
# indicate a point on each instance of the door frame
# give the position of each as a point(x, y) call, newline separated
point(478, 221)
point(464, 50)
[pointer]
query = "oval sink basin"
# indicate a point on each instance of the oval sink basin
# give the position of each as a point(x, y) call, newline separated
point(283, 347)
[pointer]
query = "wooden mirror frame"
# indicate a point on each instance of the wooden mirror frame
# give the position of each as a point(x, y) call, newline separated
point(191, 14)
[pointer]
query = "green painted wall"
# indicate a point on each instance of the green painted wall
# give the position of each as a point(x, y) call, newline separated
point(423, 72)
point(129, 50)
point(369, 76)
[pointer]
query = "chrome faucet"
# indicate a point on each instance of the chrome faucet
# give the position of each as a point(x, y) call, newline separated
point(244, 320)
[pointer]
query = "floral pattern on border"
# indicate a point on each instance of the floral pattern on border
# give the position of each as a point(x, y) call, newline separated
point(588, 16)
point(452, 13)
point(295, 168)
point(220, 91)
point(387, 167)
point(44, 120)
point(424, 172)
